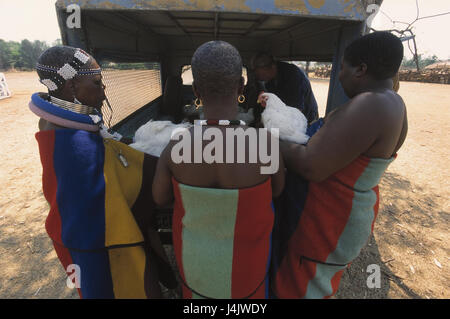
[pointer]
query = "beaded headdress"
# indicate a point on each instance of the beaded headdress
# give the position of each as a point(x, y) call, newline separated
point(67, 71)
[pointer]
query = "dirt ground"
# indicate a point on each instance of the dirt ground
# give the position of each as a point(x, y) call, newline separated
point(409, 244)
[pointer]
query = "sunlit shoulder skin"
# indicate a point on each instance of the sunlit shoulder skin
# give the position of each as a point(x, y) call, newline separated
point(373, 123)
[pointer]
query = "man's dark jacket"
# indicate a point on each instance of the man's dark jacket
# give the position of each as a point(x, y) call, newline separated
point(293, 87)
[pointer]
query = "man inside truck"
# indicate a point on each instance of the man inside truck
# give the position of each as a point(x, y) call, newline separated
point(287, 81)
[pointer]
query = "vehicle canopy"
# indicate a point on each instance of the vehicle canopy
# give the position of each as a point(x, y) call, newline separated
point(169, 31)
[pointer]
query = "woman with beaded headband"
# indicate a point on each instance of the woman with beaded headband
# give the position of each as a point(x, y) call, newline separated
point(223, 215)
point(70, 75)
point(100, 215)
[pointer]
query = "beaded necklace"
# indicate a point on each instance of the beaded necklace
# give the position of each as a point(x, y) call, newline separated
point(219, 122)
point(70, 115)
point(64, 113)
point(74, 116)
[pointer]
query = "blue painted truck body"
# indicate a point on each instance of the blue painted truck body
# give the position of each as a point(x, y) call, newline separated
point(169, 31)
point(337, 9)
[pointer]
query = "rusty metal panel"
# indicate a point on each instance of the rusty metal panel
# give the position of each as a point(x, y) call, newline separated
point(335, 9)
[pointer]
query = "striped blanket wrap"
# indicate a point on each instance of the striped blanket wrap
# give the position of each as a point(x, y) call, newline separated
point(321, 227)
point(222, 240)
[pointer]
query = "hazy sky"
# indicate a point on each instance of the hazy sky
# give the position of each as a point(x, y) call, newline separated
point(431, 34)
point(36, 20)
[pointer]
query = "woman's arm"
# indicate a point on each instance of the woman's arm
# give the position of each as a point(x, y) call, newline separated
point(278, 179)
point(344, 136)
point(162, 182)
point(276, 163)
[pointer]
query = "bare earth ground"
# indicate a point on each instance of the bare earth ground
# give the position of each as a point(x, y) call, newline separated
point(410, 241)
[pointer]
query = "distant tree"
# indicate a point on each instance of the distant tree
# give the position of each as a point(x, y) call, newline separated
point(4, 50)
point(26, 55)
point(423, 62)
point(29, 53)
point(22, 55)
point(300, 64)
point(57, 42)
point(9, 54)
point(319, 64)
point(429, 61)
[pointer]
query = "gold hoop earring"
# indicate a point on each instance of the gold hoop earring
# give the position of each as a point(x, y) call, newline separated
point(241, 98)
point(198, 103)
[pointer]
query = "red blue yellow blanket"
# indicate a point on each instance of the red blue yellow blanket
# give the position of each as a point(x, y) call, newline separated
point(100, 212)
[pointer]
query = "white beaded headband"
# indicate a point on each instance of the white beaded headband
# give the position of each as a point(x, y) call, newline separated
point(67, 71)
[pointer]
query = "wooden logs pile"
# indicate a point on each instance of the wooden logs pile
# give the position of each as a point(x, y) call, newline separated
point(429, 75)
point(436, 75)
point(322, 71)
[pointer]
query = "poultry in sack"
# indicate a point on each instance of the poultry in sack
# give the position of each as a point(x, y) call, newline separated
point(291, 122)
point(153, 137)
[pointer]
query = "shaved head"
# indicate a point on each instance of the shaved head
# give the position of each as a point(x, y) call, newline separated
point(217, 69)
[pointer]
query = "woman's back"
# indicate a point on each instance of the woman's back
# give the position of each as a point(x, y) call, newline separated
point(221, 179)
point(236, 165)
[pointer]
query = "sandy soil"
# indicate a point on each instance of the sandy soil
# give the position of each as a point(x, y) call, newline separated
point(410, 240)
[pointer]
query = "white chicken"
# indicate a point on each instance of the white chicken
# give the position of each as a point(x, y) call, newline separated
point(291, 122)
point(153, 137)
